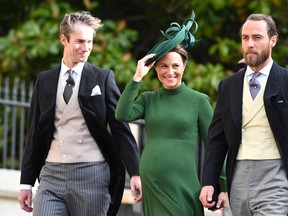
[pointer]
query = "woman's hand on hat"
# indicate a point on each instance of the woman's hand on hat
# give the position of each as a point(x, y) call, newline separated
point(143, 69)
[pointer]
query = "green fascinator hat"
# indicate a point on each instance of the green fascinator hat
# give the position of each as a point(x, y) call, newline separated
point(173, 36)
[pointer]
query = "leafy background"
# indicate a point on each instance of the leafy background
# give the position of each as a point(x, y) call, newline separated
point(29, 36)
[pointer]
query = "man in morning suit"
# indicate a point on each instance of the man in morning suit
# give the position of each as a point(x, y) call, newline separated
point(251, 133)
point(79, 162)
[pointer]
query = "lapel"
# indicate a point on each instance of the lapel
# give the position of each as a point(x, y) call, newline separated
point(93, 108)
point(236, 98)
point(89, 79)
point(273, 83)
point(87, 83)
point(50, 85)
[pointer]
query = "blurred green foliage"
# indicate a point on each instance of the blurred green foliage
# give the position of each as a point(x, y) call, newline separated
point(29, 43)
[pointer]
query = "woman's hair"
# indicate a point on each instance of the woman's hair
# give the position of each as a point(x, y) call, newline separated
point(181, 51)
point(84, 17)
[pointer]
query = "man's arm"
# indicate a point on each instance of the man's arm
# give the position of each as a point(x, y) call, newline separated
point(121, 131)
point(124, 138)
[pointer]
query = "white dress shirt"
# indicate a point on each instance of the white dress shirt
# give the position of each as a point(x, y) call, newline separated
point(264, 73)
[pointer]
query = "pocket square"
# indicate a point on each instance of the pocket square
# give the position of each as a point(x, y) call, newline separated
point(96, 91)
point(280, 101)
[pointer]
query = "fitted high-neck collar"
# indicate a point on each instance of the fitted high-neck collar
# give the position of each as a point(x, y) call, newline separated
point(174, 91)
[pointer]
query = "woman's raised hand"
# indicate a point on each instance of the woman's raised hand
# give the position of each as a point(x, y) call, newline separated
point(143, 69)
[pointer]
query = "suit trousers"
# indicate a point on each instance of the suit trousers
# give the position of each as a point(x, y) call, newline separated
point(259, 188)
point(73, 189)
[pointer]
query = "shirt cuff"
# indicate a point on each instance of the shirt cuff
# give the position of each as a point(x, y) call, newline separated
point(25, 187)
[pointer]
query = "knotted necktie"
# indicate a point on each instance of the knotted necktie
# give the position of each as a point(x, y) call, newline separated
point(254, 84)
point(69, 87)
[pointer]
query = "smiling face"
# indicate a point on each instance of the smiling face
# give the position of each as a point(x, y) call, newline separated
point(256, 44)
point(79, 45)
point(170, 70)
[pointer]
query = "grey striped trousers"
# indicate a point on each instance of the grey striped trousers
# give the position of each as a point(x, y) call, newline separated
point(76, 189)
point(259, 188)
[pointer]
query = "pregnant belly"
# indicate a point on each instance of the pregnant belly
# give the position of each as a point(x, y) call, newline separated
point(162, 159)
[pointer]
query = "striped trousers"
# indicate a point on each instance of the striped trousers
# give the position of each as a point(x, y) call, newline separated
point(76, 189)
point(259, 188)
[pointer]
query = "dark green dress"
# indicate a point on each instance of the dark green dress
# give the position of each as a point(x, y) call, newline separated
point(173, 119)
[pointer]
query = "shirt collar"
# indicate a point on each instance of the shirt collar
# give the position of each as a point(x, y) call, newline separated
point(265, 70)
point(77, 69)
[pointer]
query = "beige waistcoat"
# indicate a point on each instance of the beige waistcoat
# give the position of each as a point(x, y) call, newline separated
point(72, 141)
point(258, 142)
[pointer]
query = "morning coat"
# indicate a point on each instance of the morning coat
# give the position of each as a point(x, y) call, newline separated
point(225, 130)
point(117, 143)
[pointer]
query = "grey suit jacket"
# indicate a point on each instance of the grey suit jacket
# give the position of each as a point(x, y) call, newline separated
point(117, 145)
point(224, 135)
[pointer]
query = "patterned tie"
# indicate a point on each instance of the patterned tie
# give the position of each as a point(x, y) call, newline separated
point(69, 87)
point(254, 84)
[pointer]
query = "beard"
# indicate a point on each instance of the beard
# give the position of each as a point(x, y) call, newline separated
point(258, 58)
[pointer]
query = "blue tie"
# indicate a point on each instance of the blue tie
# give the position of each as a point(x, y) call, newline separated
point(254, 84)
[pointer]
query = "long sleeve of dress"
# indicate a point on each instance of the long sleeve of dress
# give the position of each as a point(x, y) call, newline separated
point(128, 108)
